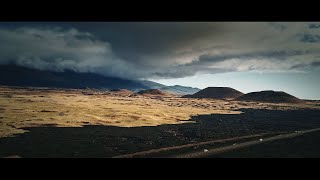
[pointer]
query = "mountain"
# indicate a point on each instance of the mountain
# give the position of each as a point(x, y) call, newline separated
point(270, 97)
point(13, 75)
point(152, 85)
point(176, 89)
point(180, 90)
point(216, 93)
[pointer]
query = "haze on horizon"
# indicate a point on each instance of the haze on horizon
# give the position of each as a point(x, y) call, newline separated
point(247, 56)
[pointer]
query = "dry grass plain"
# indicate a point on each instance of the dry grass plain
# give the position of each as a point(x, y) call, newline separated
point(29, 107)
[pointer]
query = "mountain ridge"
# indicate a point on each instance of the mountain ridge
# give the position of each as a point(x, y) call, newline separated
point(13, 75)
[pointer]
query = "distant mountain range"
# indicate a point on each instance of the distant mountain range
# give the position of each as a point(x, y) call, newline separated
point(176, 89)
point(12, 75)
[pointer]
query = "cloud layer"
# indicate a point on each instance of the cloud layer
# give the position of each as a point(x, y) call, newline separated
point(163, 50)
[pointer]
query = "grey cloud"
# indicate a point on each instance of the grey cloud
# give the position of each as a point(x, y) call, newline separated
point(55, 49)
point(185, 71)
point(299, 66)
point(139, 41)
point(206, 59)
point(314, 26)
point(310, 38)
point(278, 26)
point(160, 50)
point(226, 63)
point(316, 63)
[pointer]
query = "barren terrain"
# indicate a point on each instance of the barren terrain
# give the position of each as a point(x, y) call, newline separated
point(92, 123)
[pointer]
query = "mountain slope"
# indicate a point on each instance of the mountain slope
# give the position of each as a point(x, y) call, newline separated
point(152, 85)
point(21, 76)
point(13, 75)
point(180, 90)
point(176, 89)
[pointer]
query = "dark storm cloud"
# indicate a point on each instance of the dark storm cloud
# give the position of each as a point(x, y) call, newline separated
point(208, 59)
point(314, 26)
point(210, 63)
point(159, 50)
point(316, 64)
point(310, 38)
point(137, 41)
point(185, 71)
point(312, 65)
point(299, 66)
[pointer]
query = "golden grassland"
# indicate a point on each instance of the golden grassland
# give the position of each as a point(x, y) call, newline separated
point(23, 107)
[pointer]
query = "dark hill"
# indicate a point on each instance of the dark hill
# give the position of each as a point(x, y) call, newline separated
point(270, 97)
point(216, 93)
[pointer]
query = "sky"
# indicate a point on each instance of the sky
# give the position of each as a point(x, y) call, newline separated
point(247, 56)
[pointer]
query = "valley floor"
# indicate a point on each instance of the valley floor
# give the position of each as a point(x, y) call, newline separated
point(92, 123)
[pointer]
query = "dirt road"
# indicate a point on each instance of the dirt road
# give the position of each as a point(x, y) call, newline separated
point(213, 151)
point(160, 150)
point(259, 139)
